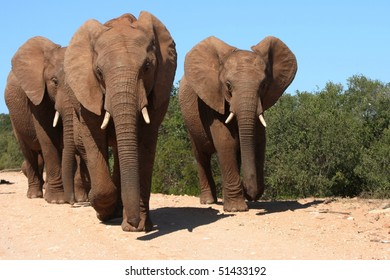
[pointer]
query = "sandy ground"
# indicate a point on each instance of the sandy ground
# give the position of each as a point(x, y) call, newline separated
point(320, 229)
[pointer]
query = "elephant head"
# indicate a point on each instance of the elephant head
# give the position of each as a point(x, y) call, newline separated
point(35, 65)
point(122, 68)
point(246, 83)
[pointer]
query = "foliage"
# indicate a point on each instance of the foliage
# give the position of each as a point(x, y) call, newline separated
point(174, 168)
point(330, 143)
point(10, 154)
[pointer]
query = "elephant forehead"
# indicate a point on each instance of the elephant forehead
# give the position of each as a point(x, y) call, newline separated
point(124, 36)
point(245, 60)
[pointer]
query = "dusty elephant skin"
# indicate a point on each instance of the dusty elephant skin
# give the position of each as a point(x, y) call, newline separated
point(120, 74)
point(223, 95)
point(30, 94)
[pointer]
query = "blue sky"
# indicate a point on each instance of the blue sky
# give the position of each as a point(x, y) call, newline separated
point(332, 40)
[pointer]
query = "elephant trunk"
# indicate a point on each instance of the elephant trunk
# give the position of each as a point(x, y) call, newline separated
point(247, 121)
point(125, 112)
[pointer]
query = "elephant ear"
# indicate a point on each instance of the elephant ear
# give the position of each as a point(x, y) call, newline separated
point(201, 69)
point(282, 67)
point(78, 66)
point(166, 55)
point(28, 66)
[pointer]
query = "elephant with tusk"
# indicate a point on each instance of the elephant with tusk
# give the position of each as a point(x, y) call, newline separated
point(30, 96)
point(120, 75)
point(223, 95)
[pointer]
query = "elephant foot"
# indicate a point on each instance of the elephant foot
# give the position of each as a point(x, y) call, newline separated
point(131, 226)
point(81, 191)
point(105, 205)
point(106, 214)
point(34, 192)
point(81, 197)
point(54, 197)
point(236, 205)
point(145, 223)
point(207, 198)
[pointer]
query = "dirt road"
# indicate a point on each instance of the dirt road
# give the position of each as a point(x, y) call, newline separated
point(305, 229)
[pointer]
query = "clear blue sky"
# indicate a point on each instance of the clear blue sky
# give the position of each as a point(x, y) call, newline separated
point(332, 40)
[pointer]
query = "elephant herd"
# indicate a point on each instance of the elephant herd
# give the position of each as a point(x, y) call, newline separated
point(108, 91)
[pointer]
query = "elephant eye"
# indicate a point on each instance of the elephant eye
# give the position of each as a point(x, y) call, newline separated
point(147, 65)
point(99, 73)
point(263, 85)
point(229, 87)
point(55, 81)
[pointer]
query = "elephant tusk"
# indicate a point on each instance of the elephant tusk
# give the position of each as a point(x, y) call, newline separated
point(56, 117)
point(262, 120)
point(106, 120)
point(229, 118)
point(145, 115)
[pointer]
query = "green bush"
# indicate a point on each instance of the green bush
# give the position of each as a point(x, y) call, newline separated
point(374, 168)
point(174, 168)
point(10, 154)
point(317, 144)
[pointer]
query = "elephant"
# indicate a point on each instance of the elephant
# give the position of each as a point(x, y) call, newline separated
point(223, 95)
point(29, 95)
point(120, 74)
point(34, 91)
point(75, 176)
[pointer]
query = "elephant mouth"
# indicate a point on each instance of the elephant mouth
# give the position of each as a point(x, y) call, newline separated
point(261, 118)
point(107, 117)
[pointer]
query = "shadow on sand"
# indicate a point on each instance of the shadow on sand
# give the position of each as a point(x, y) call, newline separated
point(169, 219)
point(269, 207)
point(172, 219)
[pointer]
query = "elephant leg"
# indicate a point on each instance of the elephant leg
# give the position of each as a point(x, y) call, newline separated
point(49, 139)
point(103, 194)
point(147, 150)
point(116, 173)
point(260, 144)
point(227, 153)
point(196, 115)
point(54, 192)
point(146, 168)
point(208, 192)
point(32, 170)
point(116, 178)
point(40, 165)
point(68, 174)
point(81, 181)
